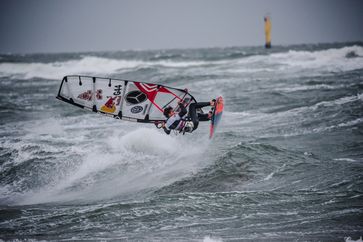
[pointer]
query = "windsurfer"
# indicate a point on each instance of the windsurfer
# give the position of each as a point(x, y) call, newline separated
point(184, 121)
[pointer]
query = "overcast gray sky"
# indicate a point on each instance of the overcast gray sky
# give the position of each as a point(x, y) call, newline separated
point(94, 25)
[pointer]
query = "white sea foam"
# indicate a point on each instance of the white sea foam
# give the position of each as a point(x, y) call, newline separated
point(345, 159)
point(269, 176)
point(85, 65)
point(349, 239)
point(57, 70)
point(339, 101)
point(330, 103)
point(211, 239)
point(331, 60)
point(340, 125)
point(300, 62)
point(116, 164)
point(295, 88)
point(327, 60)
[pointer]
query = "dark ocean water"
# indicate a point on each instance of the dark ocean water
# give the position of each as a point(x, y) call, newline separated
point(285, 165)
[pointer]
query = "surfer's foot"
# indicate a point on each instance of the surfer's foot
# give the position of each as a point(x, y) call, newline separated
point(213, 102)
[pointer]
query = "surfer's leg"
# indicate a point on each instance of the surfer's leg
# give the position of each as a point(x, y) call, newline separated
point(203, 117)
point(195, 118)
point(193, 115)
point(201, 104)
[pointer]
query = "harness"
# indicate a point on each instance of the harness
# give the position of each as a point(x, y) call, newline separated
point(175, 122)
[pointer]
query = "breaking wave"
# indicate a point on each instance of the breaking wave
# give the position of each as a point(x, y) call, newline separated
point(333, 60)
point(93, 170)
point(85, 65)
point(330, 60)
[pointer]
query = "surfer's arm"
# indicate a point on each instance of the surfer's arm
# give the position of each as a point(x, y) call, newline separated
point(183, 110)
point(162, 125)
point(167, 131)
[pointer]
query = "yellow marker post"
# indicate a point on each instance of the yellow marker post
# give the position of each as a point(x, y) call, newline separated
point(267, 32)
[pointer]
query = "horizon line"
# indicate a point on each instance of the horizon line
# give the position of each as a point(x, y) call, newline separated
point(359, 42)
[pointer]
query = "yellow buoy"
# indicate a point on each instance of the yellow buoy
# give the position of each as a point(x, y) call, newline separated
point(267, 32)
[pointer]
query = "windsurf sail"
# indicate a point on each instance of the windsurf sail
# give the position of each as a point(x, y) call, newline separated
point(122, 99)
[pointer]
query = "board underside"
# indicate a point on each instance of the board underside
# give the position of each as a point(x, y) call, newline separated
point(216, 116)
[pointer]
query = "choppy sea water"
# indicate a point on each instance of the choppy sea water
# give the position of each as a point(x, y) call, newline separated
point(286, 163)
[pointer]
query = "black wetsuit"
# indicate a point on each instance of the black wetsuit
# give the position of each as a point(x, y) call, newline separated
point(194, 117)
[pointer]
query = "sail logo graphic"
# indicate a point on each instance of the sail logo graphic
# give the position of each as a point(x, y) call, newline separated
point(110, 105)
point(87, 95)
point(117, 90)
point(149, 87)
point(135, 97)
point(151, 90)
point(136, 109)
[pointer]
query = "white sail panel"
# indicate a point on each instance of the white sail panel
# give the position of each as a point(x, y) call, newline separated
point(123, 99)
point(135, 103)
